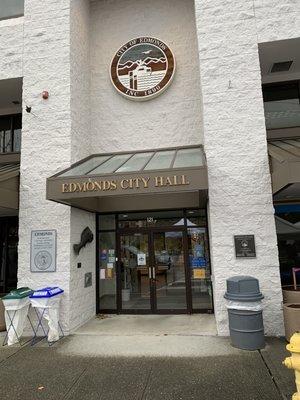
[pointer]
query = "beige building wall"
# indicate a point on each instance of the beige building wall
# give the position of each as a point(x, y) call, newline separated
point(84, 114)
point(240, 196)
point(11, 48)
point(171, 119)
point(82, 299)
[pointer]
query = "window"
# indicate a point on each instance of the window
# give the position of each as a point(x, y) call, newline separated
point(106, 262)
point(11, 8)
point(288, 234)
point(282, 105)
point(10, 133)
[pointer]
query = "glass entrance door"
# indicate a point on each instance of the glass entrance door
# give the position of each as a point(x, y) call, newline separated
point(136, 272)
point(169, 271)
point(153, 262)
point(153, 272)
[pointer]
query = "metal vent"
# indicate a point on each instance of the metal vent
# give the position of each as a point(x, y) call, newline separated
point(282, 66)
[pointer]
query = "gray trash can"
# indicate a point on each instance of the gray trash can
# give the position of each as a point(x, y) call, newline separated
point(245, 313)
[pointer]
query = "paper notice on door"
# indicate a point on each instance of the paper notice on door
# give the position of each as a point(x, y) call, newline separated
point(102, 273)
point(109, 273)
point(141, 259)
point(199, 273)
point(110, 265)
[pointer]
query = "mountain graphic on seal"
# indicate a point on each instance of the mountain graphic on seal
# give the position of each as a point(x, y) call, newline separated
point(149, 63)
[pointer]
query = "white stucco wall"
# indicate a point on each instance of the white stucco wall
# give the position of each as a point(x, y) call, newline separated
point(173, 118)
point(62, 39)
point(55, 134)
point(11, 48)
point(276, 19)
point(46, 139)
point(240, 197)
point(80, 79)
point(82, 300)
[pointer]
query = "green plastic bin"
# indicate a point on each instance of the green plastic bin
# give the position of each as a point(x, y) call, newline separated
point(18, 294)
point(16, 304)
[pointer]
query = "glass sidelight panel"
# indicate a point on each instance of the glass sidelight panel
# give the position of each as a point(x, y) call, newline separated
point(199, 268)
point(107, 271)
point(136, 291)
point(169, 271)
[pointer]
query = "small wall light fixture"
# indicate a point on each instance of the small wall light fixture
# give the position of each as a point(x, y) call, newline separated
point(45, 95)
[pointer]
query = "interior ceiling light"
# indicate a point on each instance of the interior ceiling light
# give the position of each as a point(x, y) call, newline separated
point(282, 66)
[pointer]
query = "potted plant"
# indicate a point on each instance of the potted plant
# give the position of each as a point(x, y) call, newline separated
point(291, 293)
point(291, 307)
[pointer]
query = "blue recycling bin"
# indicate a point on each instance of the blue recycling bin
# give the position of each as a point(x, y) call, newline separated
point(46, 303)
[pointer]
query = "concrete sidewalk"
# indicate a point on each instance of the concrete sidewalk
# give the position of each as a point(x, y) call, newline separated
point(127, 325)
point(143, 366)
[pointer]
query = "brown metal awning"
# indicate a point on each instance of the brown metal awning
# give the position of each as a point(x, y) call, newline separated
point(140, 180)
point(285, 168)
point(9, 187)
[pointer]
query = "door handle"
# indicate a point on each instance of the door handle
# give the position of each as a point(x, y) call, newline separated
point(153, 272)
point(150, 272)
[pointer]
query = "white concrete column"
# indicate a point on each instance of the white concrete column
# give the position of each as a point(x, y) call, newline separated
point(82, 299)
point(55, 134)
point(240, 197)
point(46, 138)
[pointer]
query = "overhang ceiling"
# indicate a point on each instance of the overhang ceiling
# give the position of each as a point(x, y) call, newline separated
point(279, 51)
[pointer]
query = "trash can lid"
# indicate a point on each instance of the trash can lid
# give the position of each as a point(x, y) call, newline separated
point(243, 288)
point(46, 292)
point(18, 293)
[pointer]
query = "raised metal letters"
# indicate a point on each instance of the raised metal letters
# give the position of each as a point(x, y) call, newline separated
point(124, 184)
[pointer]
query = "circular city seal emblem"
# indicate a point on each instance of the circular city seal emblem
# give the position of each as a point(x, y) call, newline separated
point(43, 260)
point(142, 68)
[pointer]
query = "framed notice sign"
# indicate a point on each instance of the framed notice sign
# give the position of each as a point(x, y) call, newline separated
point(43, 251)
point(244, 246)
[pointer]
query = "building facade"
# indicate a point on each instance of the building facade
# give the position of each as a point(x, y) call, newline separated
point(228, 123)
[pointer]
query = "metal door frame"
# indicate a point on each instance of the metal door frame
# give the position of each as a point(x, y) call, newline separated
point(149, 231)
point(118, 231)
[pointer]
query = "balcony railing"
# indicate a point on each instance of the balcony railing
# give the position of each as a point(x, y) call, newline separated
point(11, 8)
point(10, 133)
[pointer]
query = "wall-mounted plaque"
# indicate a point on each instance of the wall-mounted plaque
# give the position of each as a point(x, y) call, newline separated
point(142, 68)
point(43, 251)
point(244, 246)
point(88, 279)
